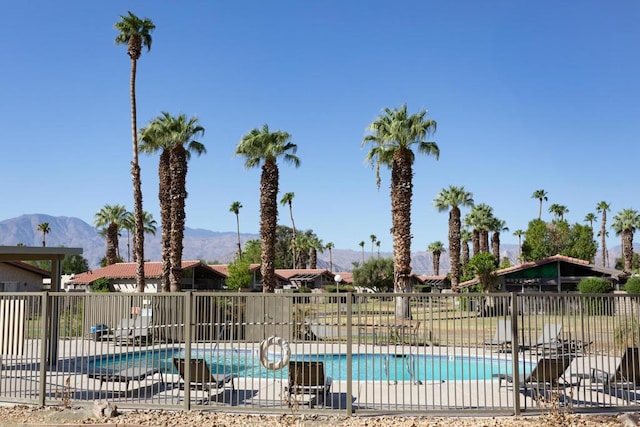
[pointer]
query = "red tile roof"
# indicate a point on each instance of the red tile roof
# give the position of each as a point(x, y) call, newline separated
point(127, 270)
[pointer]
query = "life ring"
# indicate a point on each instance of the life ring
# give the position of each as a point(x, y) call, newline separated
point(285, 353)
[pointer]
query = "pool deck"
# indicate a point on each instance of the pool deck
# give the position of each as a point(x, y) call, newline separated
point(69, 380)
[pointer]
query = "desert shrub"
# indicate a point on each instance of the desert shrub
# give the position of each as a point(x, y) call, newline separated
point(625, 333)
point(633, 285)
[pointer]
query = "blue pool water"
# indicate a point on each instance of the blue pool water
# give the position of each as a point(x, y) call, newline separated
point(365, 366)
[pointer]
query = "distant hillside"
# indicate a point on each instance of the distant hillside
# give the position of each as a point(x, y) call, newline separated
point(73, 232)
point(210, 246)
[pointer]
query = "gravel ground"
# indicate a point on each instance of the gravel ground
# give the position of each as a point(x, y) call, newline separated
point(51, 416)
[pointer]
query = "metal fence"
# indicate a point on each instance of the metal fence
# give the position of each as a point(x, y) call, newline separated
point(494, 353)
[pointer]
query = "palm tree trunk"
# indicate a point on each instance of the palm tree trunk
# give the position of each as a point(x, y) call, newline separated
point(330, 261)
point(484, 241)
point(165, 217)
point(475, 241)
point(137, 187)
point(293, 236)
point(313, 258)
point(239, 242)
point(268, 223)
point(627, 249)
point(401, 193)
point(454, 246)
point(495, 245)
point(465, 255)
point(436, 263)
point(112, 241)
point(178, 172)
point(540, 210)
point(603, 234)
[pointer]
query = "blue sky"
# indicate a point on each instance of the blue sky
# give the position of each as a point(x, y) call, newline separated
point(527, 95)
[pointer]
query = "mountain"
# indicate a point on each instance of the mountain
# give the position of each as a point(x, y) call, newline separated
point(211, 246)
point(74, 232)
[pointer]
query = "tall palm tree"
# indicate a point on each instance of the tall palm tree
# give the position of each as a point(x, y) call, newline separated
point(471, 222)
point(111, 217)
point(315, 245)
point(235, 208)
point(175, 137)
point(303, 248)
point(625, 223)
point(329, 246)
point(479, 220)
point(452, 199)
point(519, 233)
point(129, 224)
point(558, 211)
point(149, 225)
point(373, 239)
point(135, 33)
point(541, 195)
point(497, 226)
point(44, 227)
point(590, 218)
point(378, 246)
point(361, 244)
point(287, 199)
point(263, 146)
point(436, 248)
point(393, 134)
point(602, 208)
point(465, 238)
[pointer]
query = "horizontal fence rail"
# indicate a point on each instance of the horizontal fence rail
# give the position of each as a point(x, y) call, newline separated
point(496, 353)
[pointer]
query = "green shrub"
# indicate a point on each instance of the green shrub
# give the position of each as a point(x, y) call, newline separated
point(100, 285)
point(597, 306)
point(594, 285)
point(633, 285)
point(239, 276)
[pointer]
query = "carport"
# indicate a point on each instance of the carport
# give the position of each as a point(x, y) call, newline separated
point(55, 255)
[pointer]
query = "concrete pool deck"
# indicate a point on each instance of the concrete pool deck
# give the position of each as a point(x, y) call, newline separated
point(69, 380)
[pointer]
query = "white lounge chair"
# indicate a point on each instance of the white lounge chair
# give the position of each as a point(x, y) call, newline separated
point(503, 335)
point(549, 338)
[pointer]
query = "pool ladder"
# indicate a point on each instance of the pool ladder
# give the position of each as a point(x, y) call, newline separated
point(385, 369)
point(410, 364)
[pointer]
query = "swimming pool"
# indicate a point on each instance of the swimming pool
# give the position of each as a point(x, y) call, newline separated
point(366, 367)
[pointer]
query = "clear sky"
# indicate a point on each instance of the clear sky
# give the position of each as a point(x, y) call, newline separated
point(527, 95)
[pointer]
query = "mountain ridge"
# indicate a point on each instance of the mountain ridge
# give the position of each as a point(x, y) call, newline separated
point(199, 243)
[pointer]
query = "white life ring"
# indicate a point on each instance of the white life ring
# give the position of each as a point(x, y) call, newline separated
point(285, 353)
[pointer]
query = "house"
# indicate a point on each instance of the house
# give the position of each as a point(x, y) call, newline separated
point(196, 276)
point(433, 283)
point(286, 278)
point(18, 276)
point(556, 273)
point(310, 278)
